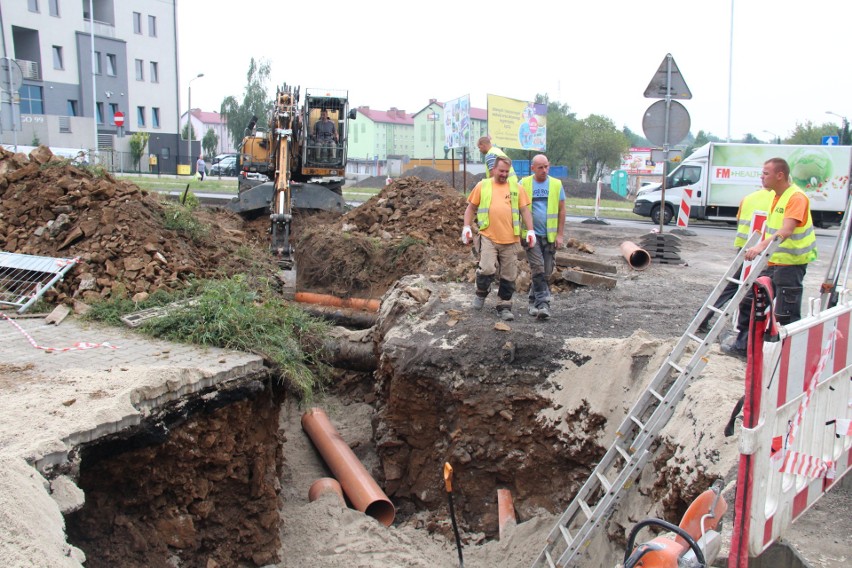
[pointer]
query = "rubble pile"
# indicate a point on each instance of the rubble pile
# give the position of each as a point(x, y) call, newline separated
point(411, 226)
point(50, 207)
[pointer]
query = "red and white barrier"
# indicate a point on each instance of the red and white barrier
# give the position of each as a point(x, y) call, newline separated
point(798, 442)
point(685, 207)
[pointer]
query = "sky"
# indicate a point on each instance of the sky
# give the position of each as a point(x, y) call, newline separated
point(790, 58)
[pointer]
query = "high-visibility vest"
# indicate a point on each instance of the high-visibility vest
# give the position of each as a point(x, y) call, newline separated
point(798, 248)
point(553, 192)
point(495, 151)
point(483, 218)
point(760, 200)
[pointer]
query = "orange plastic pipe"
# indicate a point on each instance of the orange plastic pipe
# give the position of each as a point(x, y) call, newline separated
point(637, 258)
point(505, 511)
point(325, 485)
point(366, 304)
point(362, 490)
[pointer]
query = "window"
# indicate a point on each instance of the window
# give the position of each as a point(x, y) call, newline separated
point(155, 117)
point(32, 101)
point(137, 23)
point(140, 70)
point(57, 57)
point(155, 72)
point(100, 109)
point(71, 108)
point(152, 26)
point(54, 7)
point(97, 63)
point(111, 68)
point(140, 116)
point(113, 108)
point(33, 5)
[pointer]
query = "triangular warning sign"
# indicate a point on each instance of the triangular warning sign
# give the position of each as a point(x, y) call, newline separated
point(657, 87)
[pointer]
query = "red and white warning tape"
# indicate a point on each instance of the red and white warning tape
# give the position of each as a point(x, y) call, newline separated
point(843, 427)
point(792, 461)
point(79, 346)
point(811, 466)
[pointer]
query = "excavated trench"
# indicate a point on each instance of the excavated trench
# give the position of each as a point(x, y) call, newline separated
point(201, 483)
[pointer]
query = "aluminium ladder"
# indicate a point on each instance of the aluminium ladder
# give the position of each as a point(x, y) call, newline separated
point(620, 467)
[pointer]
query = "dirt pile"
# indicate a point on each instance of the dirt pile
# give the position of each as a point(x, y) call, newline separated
point(411, 226)
point(573, 187)
point(118, 232)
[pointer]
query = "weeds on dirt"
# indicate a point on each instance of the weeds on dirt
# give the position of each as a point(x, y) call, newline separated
point(181, 218)
point(238, 314)
point(400, 248)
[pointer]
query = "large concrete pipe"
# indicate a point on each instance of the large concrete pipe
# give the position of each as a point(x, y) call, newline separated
point(363, 491)
point(637, 258)
point(505, 512)
point(325, 485)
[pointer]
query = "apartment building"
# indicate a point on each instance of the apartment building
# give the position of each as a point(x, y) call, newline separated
point(81, 70)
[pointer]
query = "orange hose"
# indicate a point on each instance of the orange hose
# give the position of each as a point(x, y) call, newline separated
point(505, 511)
point(366, 304)
point(325, 485)
point(362, 490)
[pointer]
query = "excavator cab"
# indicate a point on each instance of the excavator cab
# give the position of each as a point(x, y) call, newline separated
point(325, 115)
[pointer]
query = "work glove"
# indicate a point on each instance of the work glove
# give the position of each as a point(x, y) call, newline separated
point(467, 234)
point(530, 239)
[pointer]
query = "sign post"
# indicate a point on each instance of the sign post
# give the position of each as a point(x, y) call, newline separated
point(118, 119)
point(666, 121)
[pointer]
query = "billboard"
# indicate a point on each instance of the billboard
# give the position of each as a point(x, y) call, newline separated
point(637, 161)
point(457, 123)
point(517, 124)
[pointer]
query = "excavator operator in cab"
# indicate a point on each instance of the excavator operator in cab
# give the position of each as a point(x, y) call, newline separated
point(326, 138)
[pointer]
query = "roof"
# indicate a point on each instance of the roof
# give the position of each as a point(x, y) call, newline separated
point(391, 116)
point(208, 117)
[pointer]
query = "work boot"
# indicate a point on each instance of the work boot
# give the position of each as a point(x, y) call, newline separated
point(703, 327)
point(532, 310)
point(478, 302)
point(505, 312)
point(543, 312)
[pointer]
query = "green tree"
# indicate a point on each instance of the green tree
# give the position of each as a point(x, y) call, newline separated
point(185, 128)
point(636, 141)
point(808, 133)
point(138, 142)
point(256, 101)
point(599, 145)
point(210, 142)
point(750, 138)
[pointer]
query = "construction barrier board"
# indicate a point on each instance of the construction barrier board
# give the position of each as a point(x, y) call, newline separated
point(801, 445)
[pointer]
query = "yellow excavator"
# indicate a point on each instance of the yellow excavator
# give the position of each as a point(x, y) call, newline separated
point(297, 162)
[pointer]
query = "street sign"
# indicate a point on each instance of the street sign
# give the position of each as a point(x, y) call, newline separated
point(654, 123)
point(118, 118)
point(830, 140)
point(657, 87)
point(15, 76)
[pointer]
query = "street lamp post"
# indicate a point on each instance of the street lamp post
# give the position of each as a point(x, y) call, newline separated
point(189, 122)
point(433, 116)
point(775, 138)
point(843, 124)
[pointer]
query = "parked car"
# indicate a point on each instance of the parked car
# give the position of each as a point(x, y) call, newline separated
point(226, 166)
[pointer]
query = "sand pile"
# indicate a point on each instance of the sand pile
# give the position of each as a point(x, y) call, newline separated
point(49, 207)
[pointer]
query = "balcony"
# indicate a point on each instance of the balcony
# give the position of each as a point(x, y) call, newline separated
point(103, 29)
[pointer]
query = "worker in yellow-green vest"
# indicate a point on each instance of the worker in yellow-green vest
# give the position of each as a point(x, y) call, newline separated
point(490, 154)
point(499, 206)
point(548, 213)
point(790, 223)
point(757, 201)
